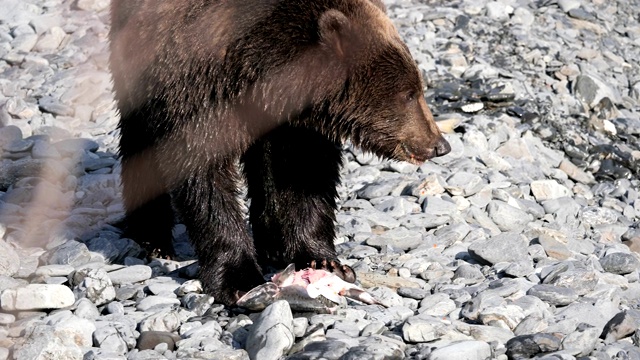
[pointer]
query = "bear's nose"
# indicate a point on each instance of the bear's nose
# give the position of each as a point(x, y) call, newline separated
point(442, 147)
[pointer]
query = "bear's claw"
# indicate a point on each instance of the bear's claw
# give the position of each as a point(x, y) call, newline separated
point(344, 272)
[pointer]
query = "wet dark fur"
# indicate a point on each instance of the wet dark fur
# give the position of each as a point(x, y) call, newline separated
point(276, 85)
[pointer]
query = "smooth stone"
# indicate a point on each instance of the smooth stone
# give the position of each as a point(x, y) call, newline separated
point(72, 253)
point(328, 349)
point(86, 309)
point(553, 247)
point(576, 173)
point(548, 190)
point(620, 263)
point(506, 247)
point(272, 333)
point(399, 238)
point(528, 346)
point(423, 329)
point(579, 279)
point(130, 274)
point(413, 293)
point(377, 346)
point(151, 339)
point(37, 296)
point(208, 329)
point(464, 184)
point(463, 350)
point(468, 274)
point(554, 295)
point(398, 207)
point(438, 304)
point(152, 301)
point(376, 190)
point(507, 217)
point(437, 206)
point(54, 270)
point(568, 5)
point(114, 307)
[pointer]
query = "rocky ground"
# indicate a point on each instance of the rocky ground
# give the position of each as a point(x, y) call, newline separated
point(521, 243)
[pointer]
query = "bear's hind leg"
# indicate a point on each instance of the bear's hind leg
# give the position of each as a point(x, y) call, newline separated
point(208, 202)
point(292, 175)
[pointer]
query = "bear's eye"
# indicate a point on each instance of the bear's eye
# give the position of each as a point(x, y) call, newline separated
point(409, 96)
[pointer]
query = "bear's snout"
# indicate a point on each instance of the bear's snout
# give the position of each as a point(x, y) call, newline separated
point(442, 147)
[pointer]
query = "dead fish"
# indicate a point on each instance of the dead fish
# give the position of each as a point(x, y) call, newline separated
point(307, 290)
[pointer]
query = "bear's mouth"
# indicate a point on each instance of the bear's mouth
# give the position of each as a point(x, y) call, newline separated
point(411, 157)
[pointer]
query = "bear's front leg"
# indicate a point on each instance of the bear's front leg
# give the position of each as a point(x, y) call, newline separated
point(209, 204)
point(292, 175)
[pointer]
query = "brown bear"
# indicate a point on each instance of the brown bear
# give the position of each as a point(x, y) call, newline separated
point(214, 92)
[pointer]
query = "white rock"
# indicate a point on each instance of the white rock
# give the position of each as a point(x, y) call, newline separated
point(463, 350)
point(77, 329)
point(54, 270)
point(423, 329)
point(498, 11)
point(37, 296)
point(548, 190)
point(568, 5)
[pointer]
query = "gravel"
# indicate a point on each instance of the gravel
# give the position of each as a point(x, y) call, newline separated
point(522, 242)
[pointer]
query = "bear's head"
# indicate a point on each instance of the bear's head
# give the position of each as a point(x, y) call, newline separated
point(380, 101)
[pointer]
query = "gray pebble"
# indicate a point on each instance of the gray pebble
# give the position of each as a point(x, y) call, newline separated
point(554, 295)
point(272, 332)
point(423, 329)
point(131, 274)
point(582, 341)
point(114, 337)
point(527, 346)
point(620, 263)
point(69, 253)
point(507, 217)
point(507, 247)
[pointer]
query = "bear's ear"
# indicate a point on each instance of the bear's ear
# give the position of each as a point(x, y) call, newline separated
point(334, 30)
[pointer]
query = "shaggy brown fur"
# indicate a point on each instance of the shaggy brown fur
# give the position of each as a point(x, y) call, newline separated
point(276, 84)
